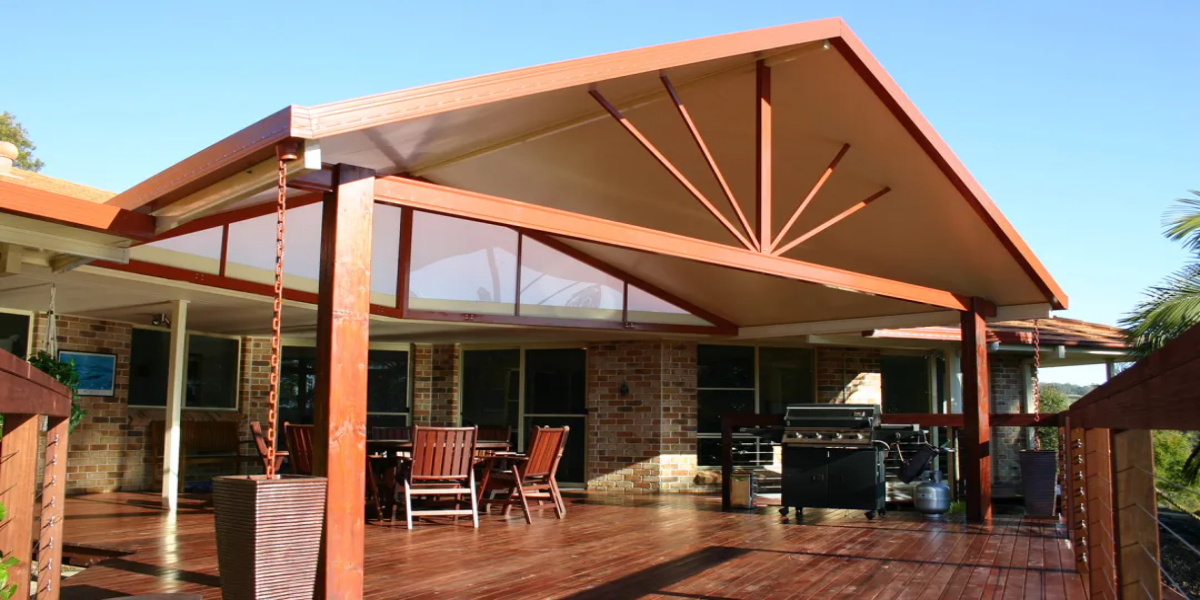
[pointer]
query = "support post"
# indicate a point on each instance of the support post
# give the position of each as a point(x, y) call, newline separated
point(339, 434)
point(764, 160)
point(1137, 514)
point(176, 363)
point(1099, 515)
point(54, 487)
point(1077, 497)
point(18, 449)
point(977, 430)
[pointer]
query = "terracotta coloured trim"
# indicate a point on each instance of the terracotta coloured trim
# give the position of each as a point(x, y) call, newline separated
point(24, 201)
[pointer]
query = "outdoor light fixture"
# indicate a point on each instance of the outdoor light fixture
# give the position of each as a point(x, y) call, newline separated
point(161, 320)
point(624, 389)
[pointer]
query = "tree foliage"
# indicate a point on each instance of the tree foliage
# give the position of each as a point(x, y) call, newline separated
point(12, 131)
point(1053, 401)
point(66, 374)
point(1173, 305)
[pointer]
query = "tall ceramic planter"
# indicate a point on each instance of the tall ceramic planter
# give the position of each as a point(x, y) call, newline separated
point(269, 535)
point(1039, 480)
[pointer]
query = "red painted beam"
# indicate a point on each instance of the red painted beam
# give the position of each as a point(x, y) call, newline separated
point(807, 199)
point(764, 161)
point(444, 200)
point(831, 222)
point(340, 407)
point(23, 201)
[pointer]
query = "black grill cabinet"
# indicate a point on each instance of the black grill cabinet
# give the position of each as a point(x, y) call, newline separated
point(832, 459)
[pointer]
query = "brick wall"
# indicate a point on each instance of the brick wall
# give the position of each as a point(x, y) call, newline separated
point(105, 452)
point(677, 459)
point(1007, 396)
point(254, 391)
point(624, 428)
point(435, 384)
point(849, 375)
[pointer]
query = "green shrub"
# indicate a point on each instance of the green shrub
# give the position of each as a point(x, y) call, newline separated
point(66, 374)
point(7, 590)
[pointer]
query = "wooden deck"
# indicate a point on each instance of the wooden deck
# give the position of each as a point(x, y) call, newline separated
point(614, 547)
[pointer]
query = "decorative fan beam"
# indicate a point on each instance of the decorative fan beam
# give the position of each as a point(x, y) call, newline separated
point(675, 172)
point(708, 157)
point(831, 222)
point(812, 193)
point(763, 158)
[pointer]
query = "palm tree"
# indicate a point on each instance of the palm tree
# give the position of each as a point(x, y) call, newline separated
point(1173, 306)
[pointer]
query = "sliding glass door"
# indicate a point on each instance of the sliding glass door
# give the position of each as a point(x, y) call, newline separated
point(528, 388)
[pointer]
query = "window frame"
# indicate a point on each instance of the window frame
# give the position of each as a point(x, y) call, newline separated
point(404, 347)
point(757, 390)
point(237, 386)
point(32, 315)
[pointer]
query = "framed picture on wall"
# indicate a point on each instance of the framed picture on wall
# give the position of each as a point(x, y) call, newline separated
point(97, 371)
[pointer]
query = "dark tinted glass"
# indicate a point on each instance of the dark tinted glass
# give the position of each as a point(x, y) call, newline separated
point(785, 376)
point(555, 381)
point(725, 366)
point(905, 384)
point(714, 403)
point(149, 355)
point(387, 381)
point(212, 372)
point(491, 390)
point(745, 452)
point(14, 333)
point(297, 385)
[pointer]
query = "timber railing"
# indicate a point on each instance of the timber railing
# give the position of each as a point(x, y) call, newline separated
point(26, 395)
point(1112, 492)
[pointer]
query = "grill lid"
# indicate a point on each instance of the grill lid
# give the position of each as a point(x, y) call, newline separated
point(832, 416)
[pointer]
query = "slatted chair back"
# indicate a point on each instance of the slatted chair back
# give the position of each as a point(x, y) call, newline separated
point(389, 433)
point(300, 447)
point(495, 433)
point(443, 453)
point(545, 451)
point(260, 441)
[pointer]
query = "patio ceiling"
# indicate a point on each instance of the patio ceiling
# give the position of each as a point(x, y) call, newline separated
point(543, 136)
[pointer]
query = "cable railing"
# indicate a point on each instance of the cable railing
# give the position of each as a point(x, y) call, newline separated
point(1178, 544)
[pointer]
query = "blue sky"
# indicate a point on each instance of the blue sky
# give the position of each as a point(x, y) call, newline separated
point(1081, 119)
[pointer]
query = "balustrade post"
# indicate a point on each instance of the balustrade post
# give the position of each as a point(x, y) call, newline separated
point(1137, 515)
point(1099, 514)
point(1076, 493)
point(18, 469)
point(54, 502)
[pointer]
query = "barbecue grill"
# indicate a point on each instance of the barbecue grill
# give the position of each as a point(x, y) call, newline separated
point(833, 457)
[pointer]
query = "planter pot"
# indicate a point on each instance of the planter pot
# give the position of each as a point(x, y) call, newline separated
point(269, 535)
point(1039, 480)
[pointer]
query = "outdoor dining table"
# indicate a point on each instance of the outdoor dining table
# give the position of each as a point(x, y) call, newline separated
point(386, 453)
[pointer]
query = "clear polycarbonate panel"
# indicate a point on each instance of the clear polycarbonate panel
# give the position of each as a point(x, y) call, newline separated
point(385, 254)
point(252, 249)
point(554, 284)
point(645, 307)
point(462, 266)
point(199, 251)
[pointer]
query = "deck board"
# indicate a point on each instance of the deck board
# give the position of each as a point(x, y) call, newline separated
point(613, 547)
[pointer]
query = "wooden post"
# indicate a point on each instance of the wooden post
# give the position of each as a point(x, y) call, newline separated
point(54, 487)
point(726, 464)
point(977, 431)
point(18, 453)
point(1137, 514)
point(343, 327)
point(176, 365)
point(1101, 555)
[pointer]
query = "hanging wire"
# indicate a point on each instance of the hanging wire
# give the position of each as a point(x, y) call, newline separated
point(285, 154)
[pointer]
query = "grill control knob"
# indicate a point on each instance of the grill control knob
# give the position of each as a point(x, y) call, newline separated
point(837, 436)
point(858, 436)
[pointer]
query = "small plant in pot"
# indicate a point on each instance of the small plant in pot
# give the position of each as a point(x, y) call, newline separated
point(65, 373)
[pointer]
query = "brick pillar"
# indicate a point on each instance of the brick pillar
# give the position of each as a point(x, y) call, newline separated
point(435, 384)
point(678, 452)
point(252, 397)
point(1007, 393)
point(624, 435)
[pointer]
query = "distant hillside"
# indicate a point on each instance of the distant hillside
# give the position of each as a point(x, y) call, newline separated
point(1071, 390)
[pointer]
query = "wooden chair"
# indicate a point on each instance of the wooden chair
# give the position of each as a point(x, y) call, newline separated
point(495, 433)
point(300, 450)
point(441, 464)
point(260, 443)
point(300, 447)
point(529, 476)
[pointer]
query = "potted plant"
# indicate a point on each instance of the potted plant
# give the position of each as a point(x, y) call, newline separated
point(1039, 481)
point(269, 530)
point(66, 374)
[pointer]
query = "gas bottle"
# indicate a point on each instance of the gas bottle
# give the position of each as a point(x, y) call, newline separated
point(932, 497)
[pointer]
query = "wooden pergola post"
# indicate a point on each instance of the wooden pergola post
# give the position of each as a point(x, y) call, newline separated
point(977, 430)
point(339, 434)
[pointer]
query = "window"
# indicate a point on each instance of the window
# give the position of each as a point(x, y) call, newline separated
point(905, 384)
point(211, 372)
point(14, 333)
point(747, 379)
point(387, 386)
